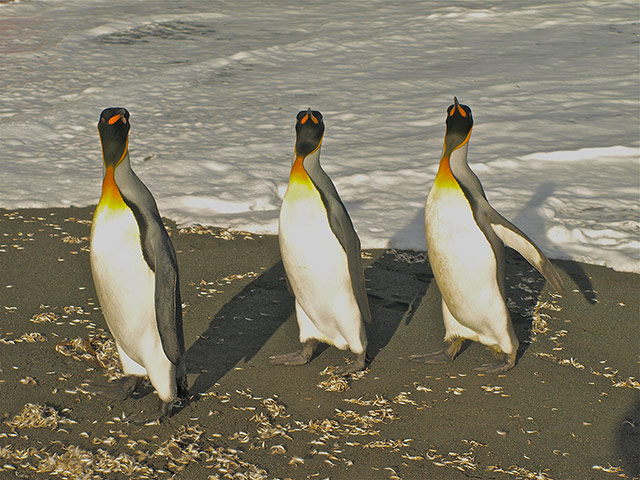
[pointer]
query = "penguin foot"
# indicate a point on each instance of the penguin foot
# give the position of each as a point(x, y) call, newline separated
point(507, 363)
point(432, 358)
point(446, 355)
point(183, 389)
point(118, 389)
point(359, 364)
point(301, 357)
point(142, 419)
point(163, 411)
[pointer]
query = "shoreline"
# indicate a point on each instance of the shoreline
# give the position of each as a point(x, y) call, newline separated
point(569, 408)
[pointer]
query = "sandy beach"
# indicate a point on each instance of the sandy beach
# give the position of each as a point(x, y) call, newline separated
point(570, 409)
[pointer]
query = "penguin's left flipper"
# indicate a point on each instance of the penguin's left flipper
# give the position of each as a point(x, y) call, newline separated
point(168, 302)
point(160, 256)
point(348, 238)
point(513, 237)
point(343, 229)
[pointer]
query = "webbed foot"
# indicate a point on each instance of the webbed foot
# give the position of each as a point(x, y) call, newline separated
point(507, 363)
point(359, 364)
point(446, 355)
point(183, 389)
point(163, 411)
point(433, 358)
point(118, 389)
point(301, 357)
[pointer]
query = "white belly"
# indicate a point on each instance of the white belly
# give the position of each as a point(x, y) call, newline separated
point(316, 265)
point(463, 262)
point(125, 286)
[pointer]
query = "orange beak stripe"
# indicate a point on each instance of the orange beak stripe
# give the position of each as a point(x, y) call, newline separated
point(114, 119)
point(306, 117)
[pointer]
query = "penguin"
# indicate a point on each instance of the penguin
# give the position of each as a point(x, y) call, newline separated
point(321, 255)
point(135, 273)
point(465, 243)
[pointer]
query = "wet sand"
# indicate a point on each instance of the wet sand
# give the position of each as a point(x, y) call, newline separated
point(570, 409)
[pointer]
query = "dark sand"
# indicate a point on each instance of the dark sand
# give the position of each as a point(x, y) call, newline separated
point(570, 409)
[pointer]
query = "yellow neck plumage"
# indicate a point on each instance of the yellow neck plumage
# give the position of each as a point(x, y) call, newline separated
point(111, 197)
point(444, 177)
point(298, 174)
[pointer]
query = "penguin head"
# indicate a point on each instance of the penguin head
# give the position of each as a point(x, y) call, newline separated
point(113, 128)
point(459, 125)
point(309, 132)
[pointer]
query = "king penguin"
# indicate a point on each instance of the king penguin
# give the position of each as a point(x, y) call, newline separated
point(465, 238)
point(321, 255)
point(136, 275)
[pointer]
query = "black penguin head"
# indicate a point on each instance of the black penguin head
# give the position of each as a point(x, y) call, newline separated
point(459, 125)
point(113, 128)
point(309, 131)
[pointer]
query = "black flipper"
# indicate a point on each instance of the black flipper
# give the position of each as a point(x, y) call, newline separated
point(343, 229)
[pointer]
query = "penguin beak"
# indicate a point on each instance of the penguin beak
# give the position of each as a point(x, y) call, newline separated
point(456, 106)
point(308, 116)
point(121, 115)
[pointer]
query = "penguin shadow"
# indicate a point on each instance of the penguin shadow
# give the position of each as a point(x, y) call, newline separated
point(529, 214)
point(627, 440)
point(239, 329)
point(523, 283)
point(395, 289)
point(397, 282)
point(414, 229)
point(523, 287)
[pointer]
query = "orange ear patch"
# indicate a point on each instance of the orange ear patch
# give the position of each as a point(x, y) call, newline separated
point(462, 112)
